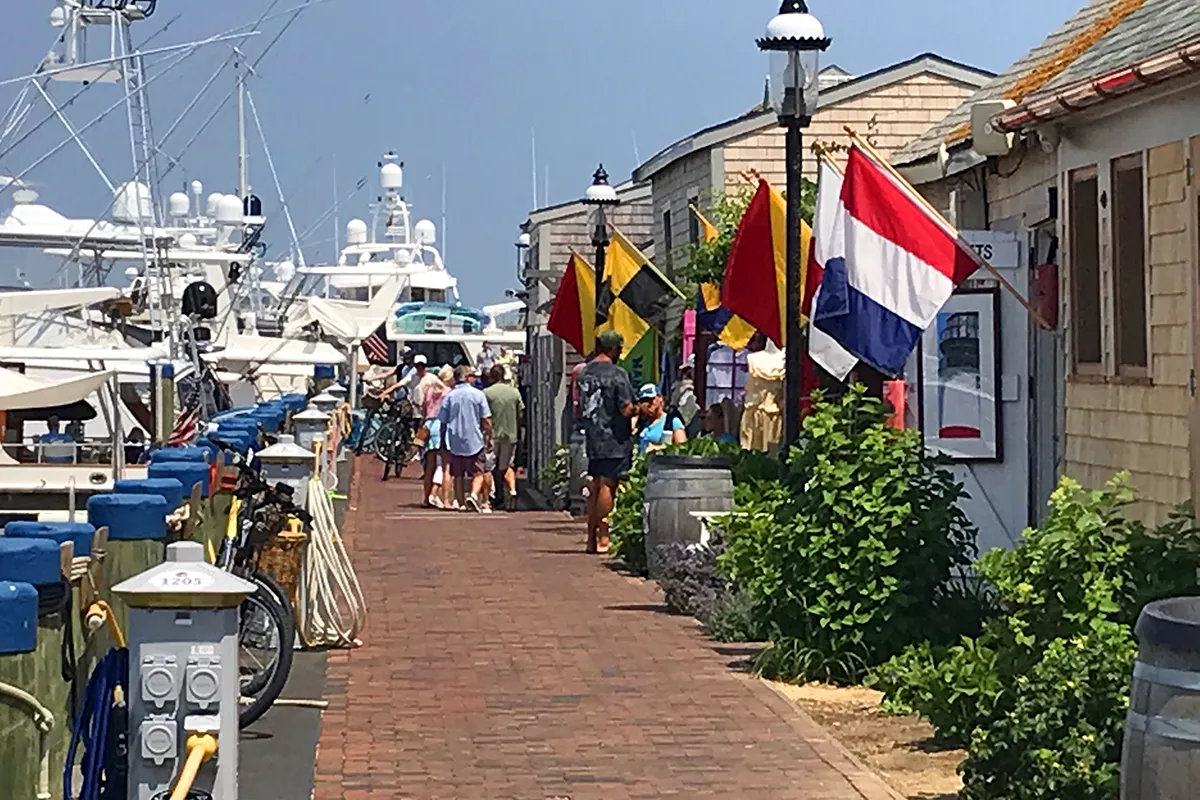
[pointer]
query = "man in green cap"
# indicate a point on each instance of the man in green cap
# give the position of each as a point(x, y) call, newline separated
point(606, 410)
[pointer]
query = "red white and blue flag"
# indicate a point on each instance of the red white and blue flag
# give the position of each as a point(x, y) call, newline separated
point(887, 266)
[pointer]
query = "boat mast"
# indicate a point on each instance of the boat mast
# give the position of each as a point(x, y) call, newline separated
point(243, 170)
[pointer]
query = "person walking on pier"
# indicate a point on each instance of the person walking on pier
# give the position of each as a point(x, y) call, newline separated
point(606, 409)
point(506, 404)
point(466, 423)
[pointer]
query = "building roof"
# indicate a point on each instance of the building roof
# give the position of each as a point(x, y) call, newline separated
point(628, 192)
point(1101, 36)
point(1157, 26)
point(761, 117)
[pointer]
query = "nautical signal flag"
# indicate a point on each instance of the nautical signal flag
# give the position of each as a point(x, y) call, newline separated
point(573, 316)
point(898, 263)
point(756, 274)
point(731, 329)
point(635, 299)
point(709, 232)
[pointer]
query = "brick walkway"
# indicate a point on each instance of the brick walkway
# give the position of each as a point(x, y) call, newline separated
point(503, 663)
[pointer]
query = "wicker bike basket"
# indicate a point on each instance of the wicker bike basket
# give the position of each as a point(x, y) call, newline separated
point(283, 559)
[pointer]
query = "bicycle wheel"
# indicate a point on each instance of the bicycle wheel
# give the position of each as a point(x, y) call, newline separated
point(255, 681)
point(264, 655)
point(385, 447)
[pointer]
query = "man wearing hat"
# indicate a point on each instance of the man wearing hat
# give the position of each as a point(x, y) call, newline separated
point(607, 407)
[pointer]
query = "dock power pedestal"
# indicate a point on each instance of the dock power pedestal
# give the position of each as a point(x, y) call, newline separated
point(183, 677)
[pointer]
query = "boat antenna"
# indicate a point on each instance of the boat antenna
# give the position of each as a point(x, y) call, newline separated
point(443, 212)
point(337, 224)
point(533, 162)
point(637, 159)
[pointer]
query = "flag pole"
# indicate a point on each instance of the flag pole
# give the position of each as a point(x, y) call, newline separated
point(879, 159)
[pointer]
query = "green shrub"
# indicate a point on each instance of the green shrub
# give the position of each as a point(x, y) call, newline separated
point(850, 559)
point(1040, 696)
point(628, 542)
point(954, 688)
point(1057, 733)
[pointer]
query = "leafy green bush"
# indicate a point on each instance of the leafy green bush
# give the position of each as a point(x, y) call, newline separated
point(953, 688)
point(556, 477)
point(850, 561)
point(1057, 731)
point(628, 542)
point(1040, 696)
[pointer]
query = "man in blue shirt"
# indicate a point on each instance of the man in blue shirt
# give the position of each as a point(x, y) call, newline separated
point(57, 447)
point(466, 422)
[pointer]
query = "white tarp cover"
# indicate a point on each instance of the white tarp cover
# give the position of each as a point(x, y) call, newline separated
point(262, 350)
point(15, 303)
point(19, 391)
point(346, 320)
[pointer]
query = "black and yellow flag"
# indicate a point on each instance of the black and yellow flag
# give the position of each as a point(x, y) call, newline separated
point(635, 299)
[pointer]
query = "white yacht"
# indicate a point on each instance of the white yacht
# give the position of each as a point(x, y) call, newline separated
point(392, 255)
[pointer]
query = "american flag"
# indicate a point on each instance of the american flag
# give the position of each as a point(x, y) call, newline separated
point(376, 347)
point(186, 425)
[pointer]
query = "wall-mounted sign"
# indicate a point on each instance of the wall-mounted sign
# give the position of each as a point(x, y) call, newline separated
point(1001, 249)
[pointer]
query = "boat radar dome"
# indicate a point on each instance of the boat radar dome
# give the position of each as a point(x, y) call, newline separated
point(356, 232)
point(210, 207)
point(425, 232)
point(197, 188)
point(131, 273)
point(58, 17)
point(178, 205)
point(391, 175)
point(229, 210)
point(132, 203)
point(187, 242)
point(285, 271)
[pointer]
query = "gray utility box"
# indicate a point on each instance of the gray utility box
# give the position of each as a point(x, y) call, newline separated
point(183, 672)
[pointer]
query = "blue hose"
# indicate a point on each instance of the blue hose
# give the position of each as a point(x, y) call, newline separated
point(100, 728)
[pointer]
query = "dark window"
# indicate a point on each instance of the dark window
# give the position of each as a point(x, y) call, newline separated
point(1085, 267)
point(1129, 261)
point(693, 222)
point(668, 243)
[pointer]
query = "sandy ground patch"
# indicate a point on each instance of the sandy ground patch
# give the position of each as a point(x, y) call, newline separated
point(900, 749)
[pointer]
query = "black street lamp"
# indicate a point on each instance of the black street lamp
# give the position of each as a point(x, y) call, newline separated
point(523, 243)
point(603, 197)
point(794, 40)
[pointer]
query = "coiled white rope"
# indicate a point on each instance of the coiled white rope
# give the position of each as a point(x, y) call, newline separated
point(44, 721)
point(333, 612)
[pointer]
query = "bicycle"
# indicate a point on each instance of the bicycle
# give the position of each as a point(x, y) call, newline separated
point(267, 627)
point(394, 440)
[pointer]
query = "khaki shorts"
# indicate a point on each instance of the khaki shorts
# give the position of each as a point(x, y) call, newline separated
point(505, 453)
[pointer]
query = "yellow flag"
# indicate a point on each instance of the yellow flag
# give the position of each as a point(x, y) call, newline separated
point(711, 234)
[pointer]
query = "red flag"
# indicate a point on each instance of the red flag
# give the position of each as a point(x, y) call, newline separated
point(572, 318)
point(753, 286)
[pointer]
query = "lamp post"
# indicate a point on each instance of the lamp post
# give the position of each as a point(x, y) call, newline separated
point(794, 40)
point(603, 197)
point(523, 243)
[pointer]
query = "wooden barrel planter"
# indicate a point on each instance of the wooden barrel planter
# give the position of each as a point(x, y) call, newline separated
point(1161, 755)
point(676, 486)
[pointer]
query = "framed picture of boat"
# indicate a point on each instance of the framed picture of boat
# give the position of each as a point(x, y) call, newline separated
point(959, 378)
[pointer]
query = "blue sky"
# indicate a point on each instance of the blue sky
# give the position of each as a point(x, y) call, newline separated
point(460, 86)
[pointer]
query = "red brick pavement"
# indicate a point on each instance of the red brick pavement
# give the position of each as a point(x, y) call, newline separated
point(502, 663)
